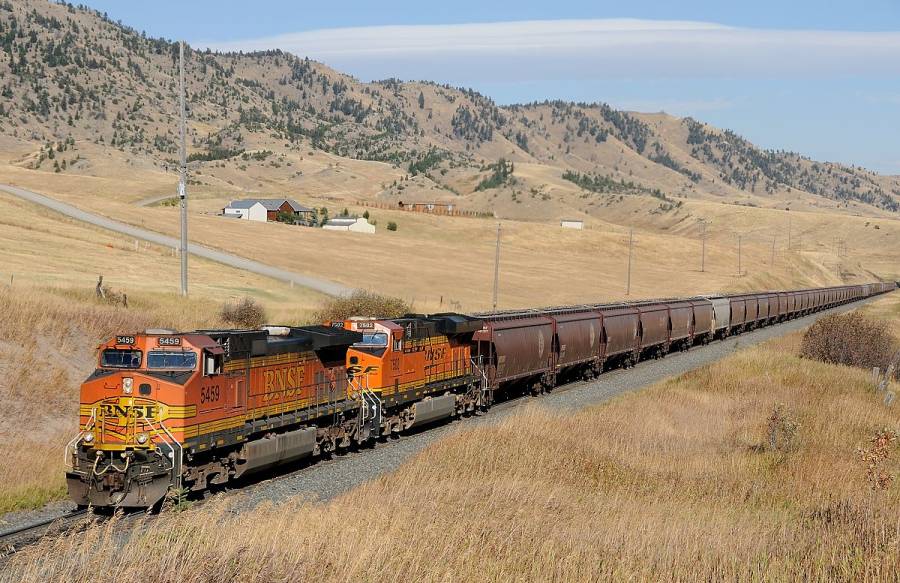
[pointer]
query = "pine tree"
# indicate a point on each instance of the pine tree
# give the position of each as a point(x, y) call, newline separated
point(421, 100)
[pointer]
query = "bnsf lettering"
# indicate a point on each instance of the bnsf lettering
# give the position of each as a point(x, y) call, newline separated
point(284, 378)
point(357, 370)
point(127, 411)
point(433, 354)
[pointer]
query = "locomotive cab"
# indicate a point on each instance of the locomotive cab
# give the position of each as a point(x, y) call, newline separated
point(131, 416)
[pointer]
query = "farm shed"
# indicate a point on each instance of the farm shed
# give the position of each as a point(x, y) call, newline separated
point(360, 225)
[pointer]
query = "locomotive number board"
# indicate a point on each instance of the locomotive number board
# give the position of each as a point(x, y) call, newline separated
point(169, 341)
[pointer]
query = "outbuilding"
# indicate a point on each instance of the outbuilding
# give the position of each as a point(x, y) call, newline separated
point(357, 225)
point(572, 224)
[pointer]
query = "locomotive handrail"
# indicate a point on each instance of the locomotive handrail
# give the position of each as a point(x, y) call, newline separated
point(67, 459)
point(173, 446)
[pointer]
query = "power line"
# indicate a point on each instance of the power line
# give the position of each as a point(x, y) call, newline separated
point(789, 233)
point(630, 249)
point(182, 179)
point(703, 245)
point(497, 269)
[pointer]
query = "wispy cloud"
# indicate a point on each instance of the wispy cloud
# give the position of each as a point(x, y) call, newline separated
point(675, 106)
point(586, 49)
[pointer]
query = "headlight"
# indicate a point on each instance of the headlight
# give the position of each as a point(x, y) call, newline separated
point(142, 438)
point(88, 437)
point(127, 385)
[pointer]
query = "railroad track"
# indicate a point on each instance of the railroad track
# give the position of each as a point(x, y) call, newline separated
point(16, 538)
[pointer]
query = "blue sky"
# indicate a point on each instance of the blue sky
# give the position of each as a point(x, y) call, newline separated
point(821, 78)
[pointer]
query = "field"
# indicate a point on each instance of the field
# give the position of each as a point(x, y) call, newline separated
point(677, 482)
point(441, 263)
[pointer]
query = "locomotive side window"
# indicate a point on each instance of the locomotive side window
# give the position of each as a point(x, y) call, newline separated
point(212, 363)
point(170, 360)
point(373, 339)
point(112, 358)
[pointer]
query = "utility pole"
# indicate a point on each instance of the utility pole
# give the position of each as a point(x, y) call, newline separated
point(182, 178)
point(789, 233)
point(630, 249)
point(497, 269)
point(702, 245)
point(740, 273)
point(772, 262)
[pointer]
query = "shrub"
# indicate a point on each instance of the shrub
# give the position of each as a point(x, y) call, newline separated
point(849, 339)
point(245, 313)
point(781, 429)
point(391, 226)
point(362, 303)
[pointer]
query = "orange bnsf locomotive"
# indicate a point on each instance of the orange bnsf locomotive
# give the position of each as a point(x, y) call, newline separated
point(190, 410)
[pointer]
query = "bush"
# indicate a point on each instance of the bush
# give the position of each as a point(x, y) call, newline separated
point(245, 313)
point(391, 226)
point(849, 339)
point(362, 303)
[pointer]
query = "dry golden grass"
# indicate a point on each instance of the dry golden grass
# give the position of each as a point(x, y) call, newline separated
point(676, 482)
point(441, 263)
point(40, 247)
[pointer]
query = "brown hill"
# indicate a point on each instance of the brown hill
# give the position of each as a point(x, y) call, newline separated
point(85, 96)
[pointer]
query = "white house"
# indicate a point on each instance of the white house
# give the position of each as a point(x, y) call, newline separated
point(252, 210)
point(265, 209)
point(572, 224)
point(360, 225)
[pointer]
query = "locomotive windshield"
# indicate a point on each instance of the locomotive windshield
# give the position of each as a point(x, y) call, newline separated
point(373, 339)
point(171, 360)
point(112, 358)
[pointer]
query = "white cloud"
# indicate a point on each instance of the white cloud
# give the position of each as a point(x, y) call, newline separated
point(585, 49)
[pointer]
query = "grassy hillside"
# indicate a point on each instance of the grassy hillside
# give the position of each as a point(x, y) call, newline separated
point(84, 96)
point(677, 482)
point(88, 117)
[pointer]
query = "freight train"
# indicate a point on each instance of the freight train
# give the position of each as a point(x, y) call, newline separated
point(168, 411)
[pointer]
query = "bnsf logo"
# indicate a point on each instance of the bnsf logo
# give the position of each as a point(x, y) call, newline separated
point(130, 411)
point(356, 369)
point(284, 378)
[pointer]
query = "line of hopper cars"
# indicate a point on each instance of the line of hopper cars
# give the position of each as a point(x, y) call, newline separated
point(170, 411)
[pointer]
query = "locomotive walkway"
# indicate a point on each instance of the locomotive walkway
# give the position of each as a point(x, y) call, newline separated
point(315, 283)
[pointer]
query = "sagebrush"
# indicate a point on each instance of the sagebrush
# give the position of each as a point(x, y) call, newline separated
point(245, 313)
point(849, 339)
point(362, 303)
